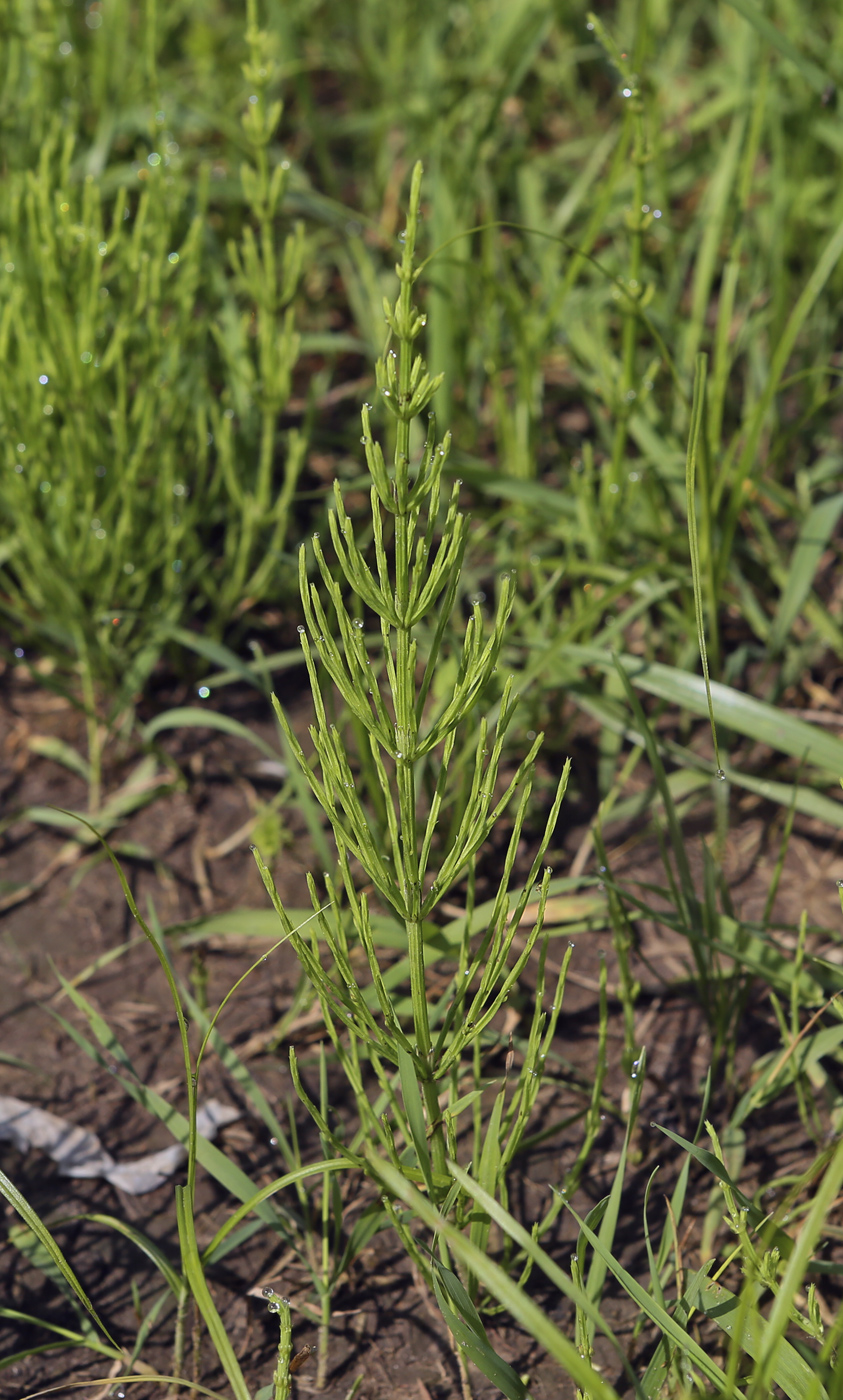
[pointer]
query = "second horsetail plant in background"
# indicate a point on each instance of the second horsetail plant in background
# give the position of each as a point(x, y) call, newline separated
point(412, 804)
point(145, 475)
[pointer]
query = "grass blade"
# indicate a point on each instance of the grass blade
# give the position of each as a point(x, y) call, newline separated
point(192, 717)
point(817, 529)
point(33, 1222)
point(732, 708)
point(788, 1369)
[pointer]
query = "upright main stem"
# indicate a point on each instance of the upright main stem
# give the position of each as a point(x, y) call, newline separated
point(405, 709)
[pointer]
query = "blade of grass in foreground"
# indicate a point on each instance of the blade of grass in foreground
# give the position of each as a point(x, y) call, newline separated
point(791, 1283)
point(464, 1323)
point(30, 1218)
point(816, 531)
point(732, 708)
point(662, 1319)
point(751, 1332)
point(221, 1167)
point(688, 779)
point(498, 1283)
point(195, 1275)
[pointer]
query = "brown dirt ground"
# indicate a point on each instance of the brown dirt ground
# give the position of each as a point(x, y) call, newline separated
point(384, 1328)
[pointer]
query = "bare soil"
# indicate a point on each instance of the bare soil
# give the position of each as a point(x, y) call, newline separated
point(384, 1327)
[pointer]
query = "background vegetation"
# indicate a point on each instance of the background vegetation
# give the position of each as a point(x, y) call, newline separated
point(623, 270)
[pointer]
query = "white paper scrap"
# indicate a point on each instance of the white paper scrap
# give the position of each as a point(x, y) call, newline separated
point(80, 1153)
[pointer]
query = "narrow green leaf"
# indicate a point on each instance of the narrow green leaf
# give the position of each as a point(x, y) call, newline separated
point(662, 1319)
point(797, 1266)
point(488, 1168)
point(48, 746)
point(814, 535)
point(732, 708)
point(143, 1243)
point(788, 1369)
point(498, 1283)
point(475, 1344)
point(414, 1109)
point(192, 717)
point(33, 1221)
point(226, 1172)
point(609, 1220)
point(213, 651)
point(199, 1288)
point(755, 1216)
point(816, 77)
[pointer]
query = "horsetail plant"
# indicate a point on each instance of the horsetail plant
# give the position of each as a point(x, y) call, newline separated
point(412, 806)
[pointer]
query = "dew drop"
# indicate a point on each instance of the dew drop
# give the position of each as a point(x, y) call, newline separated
point(273, 1306)
point(721, 775)
point(273, 1142)
point(300, 629)
point(268, 1292)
